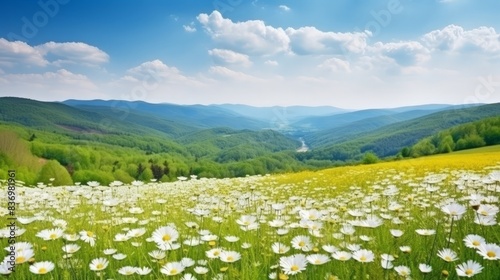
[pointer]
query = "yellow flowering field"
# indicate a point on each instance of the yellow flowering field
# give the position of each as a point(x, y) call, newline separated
point(426, 218)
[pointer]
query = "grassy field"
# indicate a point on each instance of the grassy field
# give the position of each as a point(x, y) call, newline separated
point(426, 218)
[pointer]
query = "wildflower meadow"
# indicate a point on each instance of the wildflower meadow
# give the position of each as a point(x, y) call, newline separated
point(427, 218)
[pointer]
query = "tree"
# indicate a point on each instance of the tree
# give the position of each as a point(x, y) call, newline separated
point(446, 145)
point(32, 137)
point(405, 152)
point(370, 158)
point(53, 169)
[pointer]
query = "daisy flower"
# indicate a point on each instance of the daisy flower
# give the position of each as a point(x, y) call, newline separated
point(6, 268)
point(88, 237)
point(109, 251)
point(280, 248)
point(172, 268)
point(402, 270)
point(200, 270)
point(188, 276)
point(317, 259)
point(51, 234)
point(143, 270)
point(230, 256)
point(447, 255)
point(119, 256)
point(127, 270)
point(396, 233)
point(302, 242)
point(98, 264)
point(474, 241)
point(23, 256)
point(363, 255)
point(293, 264)
point(454, 209)
point(165, 234)
point(71, 248)
point(342, 255)
point(42, 267)
point(424, 268)
point(469, 269)
point(489, 251)
point(213, 253)
point(187, 262)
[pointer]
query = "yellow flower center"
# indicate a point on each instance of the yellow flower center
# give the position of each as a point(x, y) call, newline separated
point(90, 234)
point(53, 236)
point(99, 266)
point(476, 243)
point(469, 271)
point(20, 259)
point(294, 268)
point(302, 244)
point(216, 253)
point(230, 259)
point(166, 237)
point(42, 270)
point(491, 254)
point(363, 259)
point(317, 262)
point(447, 258)
point(173, 271)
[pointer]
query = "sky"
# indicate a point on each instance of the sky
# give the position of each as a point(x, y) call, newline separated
point(351, 54)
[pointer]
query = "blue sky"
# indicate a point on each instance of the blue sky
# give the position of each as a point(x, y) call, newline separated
point(346, 53)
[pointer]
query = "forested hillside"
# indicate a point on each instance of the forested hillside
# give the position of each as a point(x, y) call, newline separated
point(485, 132)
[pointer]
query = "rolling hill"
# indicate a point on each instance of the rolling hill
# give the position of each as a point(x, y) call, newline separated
point(389, 140)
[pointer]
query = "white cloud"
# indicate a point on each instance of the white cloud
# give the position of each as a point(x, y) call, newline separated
point(403, 53)
point(271, 62)
point(189, 28)
point(73, 52)
point(284, 8)
point(20, 53)
point(336, 65)
point(155, 70)
point(309, 40)
point(455, 38)
point(49, 85)
point(251, 37)
point(223, 56)
point(226, 73)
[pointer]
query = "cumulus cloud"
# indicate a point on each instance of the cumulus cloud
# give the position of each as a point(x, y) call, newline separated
point(455, 38)
point(403, 53)
point(251, 37)
point(155, 71)
point(73, 52)
point(336, 65)
point(20, 53)
point(284, 8)
point(310, 40)
point(189, 28)
point(222, 56)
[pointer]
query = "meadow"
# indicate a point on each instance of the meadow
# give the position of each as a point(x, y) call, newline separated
point(427, 218)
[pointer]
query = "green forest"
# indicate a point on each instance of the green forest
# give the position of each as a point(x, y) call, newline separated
point(477, 134)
